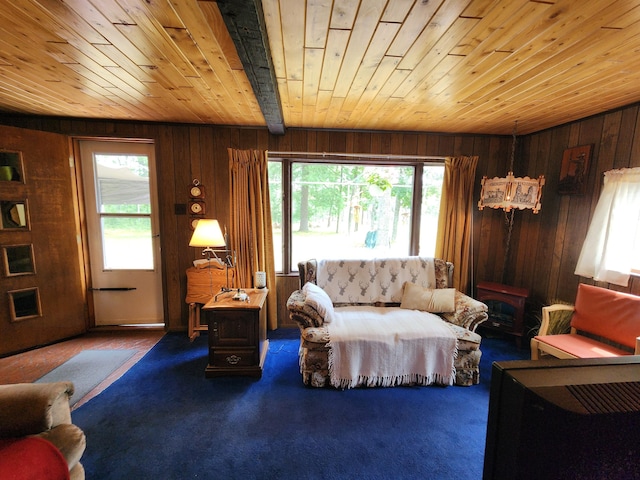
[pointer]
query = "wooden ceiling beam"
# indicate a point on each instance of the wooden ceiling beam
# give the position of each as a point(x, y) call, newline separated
point(245, 21)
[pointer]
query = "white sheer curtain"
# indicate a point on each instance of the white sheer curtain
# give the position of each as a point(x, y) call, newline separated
point(609, 250)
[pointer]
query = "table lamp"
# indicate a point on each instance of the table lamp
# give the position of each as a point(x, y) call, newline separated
point(208, 234)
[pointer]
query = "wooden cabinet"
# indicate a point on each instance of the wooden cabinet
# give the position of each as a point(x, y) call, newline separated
point(203, 284)
point(506, 308)
point(237, 334)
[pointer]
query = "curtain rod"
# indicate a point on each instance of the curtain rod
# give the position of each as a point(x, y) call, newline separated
point(359, 155)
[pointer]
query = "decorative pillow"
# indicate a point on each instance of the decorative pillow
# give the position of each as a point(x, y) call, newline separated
point(434, 300)
point(319, 300)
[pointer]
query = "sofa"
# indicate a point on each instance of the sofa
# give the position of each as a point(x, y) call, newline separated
point(37, 438)
point(374, 287)
point(601, 323)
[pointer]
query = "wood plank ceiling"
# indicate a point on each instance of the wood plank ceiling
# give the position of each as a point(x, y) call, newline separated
point(471, 66)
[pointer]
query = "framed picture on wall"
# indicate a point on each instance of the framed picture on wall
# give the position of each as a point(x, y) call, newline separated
point(574, 170)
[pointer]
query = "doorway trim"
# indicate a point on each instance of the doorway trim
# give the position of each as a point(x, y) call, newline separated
point(81, 215)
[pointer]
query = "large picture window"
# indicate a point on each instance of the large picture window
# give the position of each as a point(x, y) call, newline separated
point(330, 209)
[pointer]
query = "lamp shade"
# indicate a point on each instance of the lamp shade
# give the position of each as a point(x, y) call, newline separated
point(207, 234)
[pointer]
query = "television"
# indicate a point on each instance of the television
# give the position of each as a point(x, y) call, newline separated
point(564, 419)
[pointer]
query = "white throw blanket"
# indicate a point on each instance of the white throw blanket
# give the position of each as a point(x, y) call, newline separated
point(389, 346)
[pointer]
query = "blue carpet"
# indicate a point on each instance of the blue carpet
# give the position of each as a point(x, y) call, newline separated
point(87, 370)
point(164, 420)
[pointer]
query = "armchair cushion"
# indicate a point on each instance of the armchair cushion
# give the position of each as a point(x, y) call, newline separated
point(434, 300)
point(28, 409)
point(31, 458)
point(582, 347)
point(69, 439)
point(41, 411)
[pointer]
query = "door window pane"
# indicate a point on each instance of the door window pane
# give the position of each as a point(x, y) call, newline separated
point(122, 183)
point(124, 203)
point(127, 243)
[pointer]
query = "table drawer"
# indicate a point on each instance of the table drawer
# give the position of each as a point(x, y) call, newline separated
point(236, 357)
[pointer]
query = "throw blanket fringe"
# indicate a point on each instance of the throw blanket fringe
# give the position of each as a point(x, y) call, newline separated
point(395, 381)
point(386, 347)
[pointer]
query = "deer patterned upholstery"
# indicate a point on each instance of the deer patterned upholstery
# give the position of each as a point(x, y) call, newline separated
point(379, 282)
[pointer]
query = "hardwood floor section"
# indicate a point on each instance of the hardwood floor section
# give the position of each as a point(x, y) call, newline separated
point(29, 366)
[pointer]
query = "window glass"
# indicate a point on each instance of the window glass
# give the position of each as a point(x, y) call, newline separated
point(277, 201)
point(124, 205)
point(127, 243)
point(346, 210)
point(349, 211)
point(122, 183)
point(432, 177)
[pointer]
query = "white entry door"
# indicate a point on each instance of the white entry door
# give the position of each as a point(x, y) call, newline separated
point(124, 247)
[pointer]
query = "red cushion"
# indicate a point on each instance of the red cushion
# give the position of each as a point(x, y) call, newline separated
point(581, 347)
point(608, 314)
point(31, 458)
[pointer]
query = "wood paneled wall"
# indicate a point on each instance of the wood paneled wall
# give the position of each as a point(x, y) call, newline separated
point(544, 247)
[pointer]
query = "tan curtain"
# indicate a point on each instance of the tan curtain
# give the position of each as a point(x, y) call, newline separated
point(454, 223)
point(251, 234)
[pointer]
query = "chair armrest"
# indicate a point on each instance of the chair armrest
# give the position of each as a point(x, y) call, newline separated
point(302, 313)
point(556, 319)
point(315, 337)
point(469, 312)
point(32, 408)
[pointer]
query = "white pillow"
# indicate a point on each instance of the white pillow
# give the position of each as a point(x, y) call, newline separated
point(319, 300)
point(434, 300)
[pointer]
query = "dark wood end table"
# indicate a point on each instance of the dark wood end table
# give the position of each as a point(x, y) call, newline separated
point(237, 331)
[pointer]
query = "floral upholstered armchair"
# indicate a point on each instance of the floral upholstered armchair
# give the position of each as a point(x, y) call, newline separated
point(35, 425)
point(336, 277)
